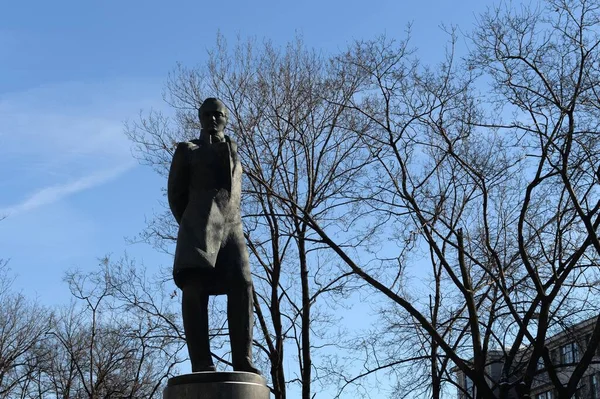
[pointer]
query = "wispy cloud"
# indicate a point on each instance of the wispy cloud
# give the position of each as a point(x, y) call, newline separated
point(49, 195)
point(60, 139)
point(67, 121)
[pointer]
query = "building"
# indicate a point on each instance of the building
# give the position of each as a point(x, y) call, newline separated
point(565, 349)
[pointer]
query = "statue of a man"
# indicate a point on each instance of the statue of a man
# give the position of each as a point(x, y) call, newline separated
point(211, 256)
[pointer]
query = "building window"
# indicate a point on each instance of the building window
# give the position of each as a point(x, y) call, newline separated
point(569, 353)
point(544, 395)
point(469, 387)
point(594, 387)
point(540, 364)
point(588, 338)
point(555, 355)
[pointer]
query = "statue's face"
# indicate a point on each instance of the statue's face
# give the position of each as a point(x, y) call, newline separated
point(213, 118)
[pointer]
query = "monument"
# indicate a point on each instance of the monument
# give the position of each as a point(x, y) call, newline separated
point(204, 190)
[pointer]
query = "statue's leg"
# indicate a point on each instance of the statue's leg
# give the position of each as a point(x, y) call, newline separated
point(195, 324)
point(240, 303)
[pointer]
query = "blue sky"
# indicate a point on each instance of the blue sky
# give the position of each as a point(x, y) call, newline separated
point(71, 72)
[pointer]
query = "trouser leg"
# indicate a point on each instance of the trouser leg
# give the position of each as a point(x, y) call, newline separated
point(195, 324)
point(240, 303)
point(241, 319)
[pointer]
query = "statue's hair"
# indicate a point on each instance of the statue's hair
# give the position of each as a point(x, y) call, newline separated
point(214, 102)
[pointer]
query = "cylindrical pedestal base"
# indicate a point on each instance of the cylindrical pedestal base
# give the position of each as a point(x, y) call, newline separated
point(217, 385)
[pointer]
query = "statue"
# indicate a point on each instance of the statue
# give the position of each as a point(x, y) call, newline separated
point(211, 257)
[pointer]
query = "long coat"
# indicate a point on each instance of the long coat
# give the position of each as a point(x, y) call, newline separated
point(204, 190)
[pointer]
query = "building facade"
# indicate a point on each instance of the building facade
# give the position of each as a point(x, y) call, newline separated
point(565, 349)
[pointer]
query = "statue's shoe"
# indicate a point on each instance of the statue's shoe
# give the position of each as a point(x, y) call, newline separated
point(247, 367)
point(207, 367)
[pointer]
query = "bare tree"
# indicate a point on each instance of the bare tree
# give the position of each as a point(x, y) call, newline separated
point(504, 199)
point(421, 193)
point(472, 213)
point(101, 347)
point(23, 324)
point(293, 143)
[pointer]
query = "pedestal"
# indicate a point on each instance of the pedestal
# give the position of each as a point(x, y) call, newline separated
point(217, 385)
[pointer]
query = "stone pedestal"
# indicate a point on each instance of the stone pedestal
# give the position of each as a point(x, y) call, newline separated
point(217, 385)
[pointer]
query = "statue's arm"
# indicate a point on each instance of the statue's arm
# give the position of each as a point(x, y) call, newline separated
point(177, 186)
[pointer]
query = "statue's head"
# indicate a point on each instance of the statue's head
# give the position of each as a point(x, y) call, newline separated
point(213, 116)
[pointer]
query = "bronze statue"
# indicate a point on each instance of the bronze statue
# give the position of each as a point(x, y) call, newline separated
point(211, 257)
